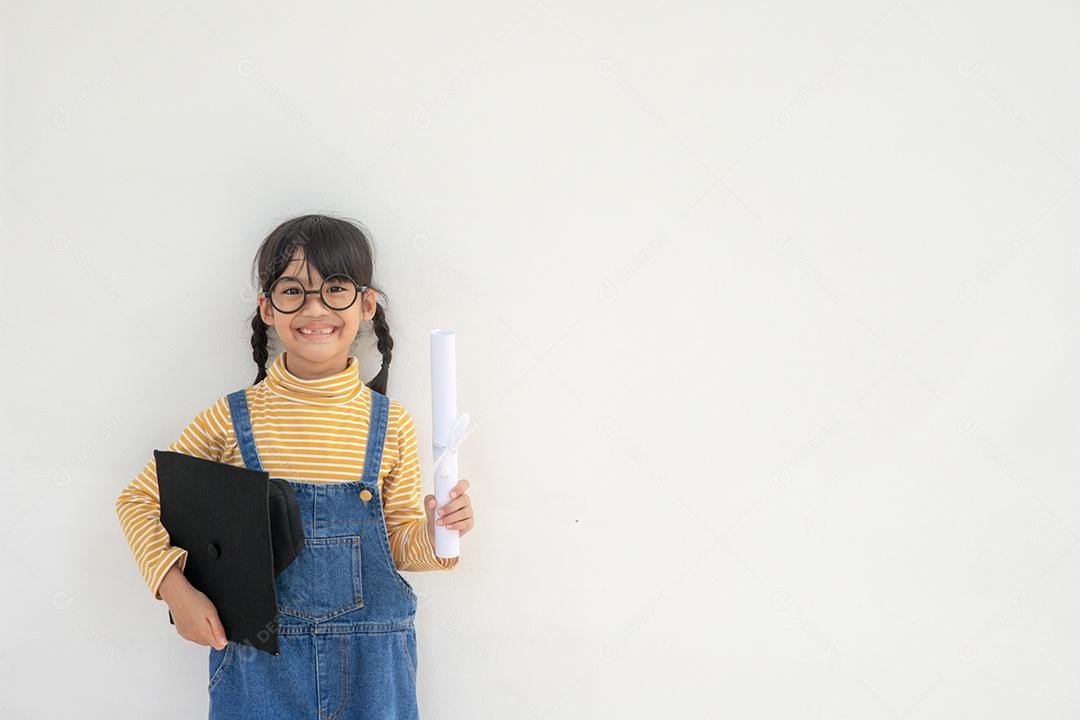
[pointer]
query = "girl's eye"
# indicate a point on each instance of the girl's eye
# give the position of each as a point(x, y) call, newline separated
point(336, 289)
point(290, 291)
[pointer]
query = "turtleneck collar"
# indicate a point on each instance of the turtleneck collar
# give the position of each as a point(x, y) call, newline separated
point(337, 389)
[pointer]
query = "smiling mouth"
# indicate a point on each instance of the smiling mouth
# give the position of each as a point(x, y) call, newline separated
point(325, 332)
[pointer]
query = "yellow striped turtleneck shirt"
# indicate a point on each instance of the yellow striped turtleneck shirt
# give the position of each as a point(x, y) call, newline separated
point(307, 431)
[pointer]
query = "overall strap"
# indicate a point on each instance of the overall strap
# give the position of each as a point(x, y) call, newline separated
point(380, 411)
point(242, 424)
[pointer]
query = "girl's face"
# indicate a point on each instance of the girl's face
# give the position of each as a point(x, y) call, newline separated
point(312, 356)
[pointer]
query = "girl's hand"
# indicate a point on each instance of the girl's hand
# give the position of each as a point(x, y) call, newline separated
point(193, 613)
point(454, 515)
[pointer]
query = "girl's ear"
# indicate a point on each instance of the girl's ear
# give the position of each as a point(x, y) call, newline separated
point(368, 303)
point(266, 310)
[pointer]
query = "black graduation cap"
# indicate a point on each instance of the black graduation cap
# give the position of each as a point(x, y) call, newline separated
point(240, 528)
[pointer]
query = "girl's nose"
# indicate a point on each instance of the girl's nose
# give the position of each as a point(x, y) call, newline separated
point(315, 307)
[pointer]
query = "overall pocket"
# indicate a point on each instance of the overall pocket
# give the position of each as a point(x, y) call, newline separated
point(324, 580)
point(405, 585)
point(219, 660)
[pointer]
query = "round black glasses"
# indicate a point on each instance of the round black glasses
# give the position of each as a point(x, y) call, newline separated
point(338, 292)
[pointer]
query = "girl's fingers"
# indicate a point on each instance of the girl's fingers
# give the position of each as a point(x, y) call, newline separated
point(461, 525)
point(455, 511)
point(460, 488)
point(455, 504)
point(454, 517)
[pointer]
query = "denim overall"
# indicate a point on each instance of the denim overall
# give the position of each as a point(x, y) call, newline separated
point(345, 630)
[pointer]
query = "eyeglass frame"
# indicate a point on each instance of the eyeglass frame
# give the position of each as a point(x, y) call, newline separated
point(360, 290)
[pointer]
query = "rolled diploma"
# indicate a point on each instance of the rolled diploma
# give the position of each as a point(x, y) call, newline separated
point(443, 420)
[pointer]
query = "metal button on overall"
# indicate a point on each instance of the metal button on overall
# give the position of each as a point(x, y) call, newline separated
point(365, 495)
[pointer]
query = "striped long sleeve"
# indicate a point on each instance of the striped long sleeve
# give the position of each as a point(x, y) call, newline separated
point(139, 504)
point(307, 431)
point(406, 521)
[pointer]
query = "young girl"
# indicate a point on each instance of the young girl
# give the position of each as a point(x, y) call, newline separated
point(346, 634)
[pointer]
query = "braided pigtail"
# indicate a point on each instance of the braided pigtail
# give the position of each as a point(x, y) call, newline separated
point(259, 343)
point(385, 345)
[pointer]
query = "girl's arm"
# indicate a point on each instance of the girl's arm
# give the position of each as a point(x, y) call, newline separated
point(139, 505)
point(406, 521)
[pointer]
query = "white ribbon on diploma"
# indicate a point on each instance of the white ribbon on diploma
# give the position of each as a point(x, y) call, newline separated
point(461, 431)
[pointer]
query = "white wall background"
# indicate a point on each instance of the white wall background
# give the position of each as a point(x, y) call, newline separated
point(770, 313)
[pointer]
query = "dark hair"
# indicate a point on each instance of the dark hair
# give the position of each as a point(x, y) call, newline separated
point(331, 245)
